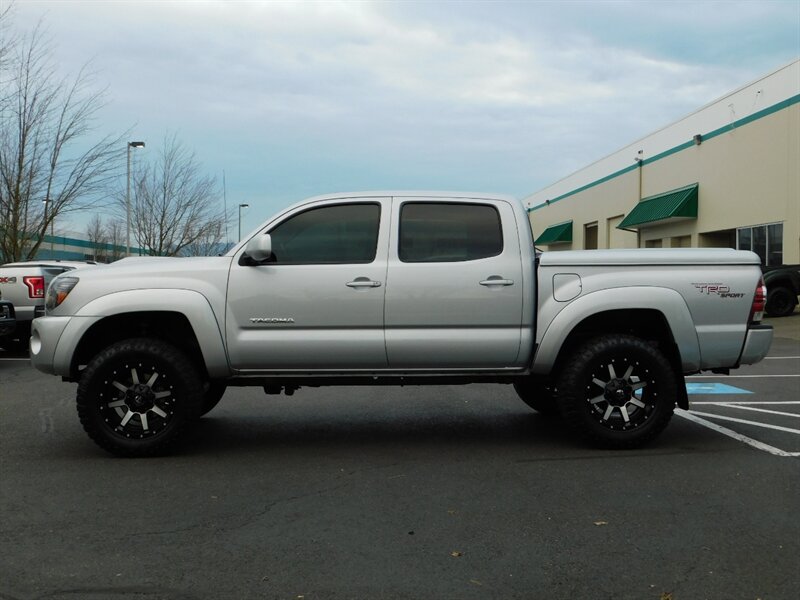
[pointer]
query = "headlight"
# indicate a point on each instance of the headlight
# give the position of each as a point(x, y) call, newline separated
point(59, 290)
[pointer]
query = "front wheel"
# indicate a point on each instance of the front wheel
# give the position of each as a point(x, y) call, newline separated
point(618, 391)
point(137, 397)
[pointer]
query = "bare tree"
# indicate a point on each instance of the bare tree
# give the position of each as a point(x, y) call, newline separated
point(46, 169)
point(174, 205)
point(115, 234)
point(210, 243)
point(6, 38)
point(97, 236)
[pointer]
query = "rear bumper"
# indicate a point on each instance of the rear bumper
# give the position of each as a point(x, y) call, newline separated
point(756, 344)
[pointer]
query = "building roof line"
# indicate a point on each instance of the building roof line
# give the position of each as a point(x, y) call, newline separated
point(675, 149)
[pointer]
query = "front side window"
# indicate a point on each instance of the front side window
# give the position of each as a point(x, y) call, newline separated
point(340, 234)
point(448, 232)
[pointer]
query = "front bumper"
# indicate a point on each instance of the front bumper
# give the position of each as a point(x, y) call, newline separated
point(756, 344)
point(45, 335)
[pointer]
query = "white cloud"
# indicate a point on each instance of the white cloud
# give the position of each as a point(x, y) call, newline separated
point(497, 96)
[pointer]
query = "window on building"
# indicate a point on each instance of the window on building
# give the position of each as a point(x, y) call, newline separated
point(764, 240)
point(653, 244)
point(448, 232)
point(339, 234)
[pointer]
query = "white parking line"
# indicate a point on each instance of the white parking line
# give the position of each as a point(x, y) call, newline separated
point(737, 376)
point(14, 358)
point(753, 423)
point(751, 402)
point(732, 434)
point(779, 357)
point(761, 410)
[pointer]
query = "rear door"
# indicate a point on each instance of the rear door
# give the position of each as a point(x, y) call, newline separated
point(454, 285)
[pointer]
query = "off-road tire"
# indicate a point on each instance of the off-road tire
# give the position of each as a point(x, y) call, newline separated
point(137, 397)
point(539, 396)
point(618, 391)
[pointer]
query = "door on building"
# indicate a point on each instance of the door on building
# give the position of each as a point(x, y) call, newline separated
point(590, 236)
point(619, 238)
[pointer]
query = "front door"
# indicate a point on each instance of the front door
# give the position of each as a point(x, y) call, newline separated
point(317, 303)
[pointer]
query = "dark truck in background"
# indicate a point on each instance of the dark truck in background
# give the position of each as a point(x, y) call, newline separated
point(783, 287)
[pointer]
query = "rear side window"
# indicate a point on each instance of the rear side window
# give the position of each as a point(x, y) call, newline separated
point(448, 232)
point(340, 234)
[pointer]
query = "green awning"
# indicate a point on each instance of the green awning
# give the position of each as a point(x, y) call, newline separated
point(663, 208)
point(556, 234)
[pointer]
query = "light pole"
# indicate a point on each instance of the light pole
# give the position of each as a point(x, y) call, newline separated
point(241, 206)
point(128, 196)
point(46, 201)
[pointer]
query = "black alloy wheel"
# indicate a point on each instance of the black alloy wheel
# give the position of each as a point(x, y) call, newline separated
point(618, 391)
point(137, 396)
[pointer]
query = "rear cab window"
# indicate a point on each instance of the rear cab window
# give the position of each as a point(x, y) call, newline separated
point(448, 232)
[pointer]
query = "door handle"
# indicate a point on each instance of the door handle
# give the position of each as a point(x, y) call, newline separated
point(496, 280)
point(363, 282)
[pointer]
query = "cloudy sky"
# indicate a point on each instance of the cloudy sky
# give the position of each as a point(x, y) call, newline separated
point(293, 99)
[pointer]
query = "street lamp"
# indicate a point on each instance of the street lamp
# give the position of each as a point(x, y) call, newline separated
point(241, 206)
point(128, 196)
point(47, 201)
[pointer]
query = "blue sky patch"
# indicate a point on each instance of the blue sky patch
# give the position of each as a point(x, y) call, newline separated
point(714, 388)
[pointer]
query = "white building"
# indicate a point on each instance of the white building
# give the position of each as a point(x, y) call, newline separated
point(727, 175)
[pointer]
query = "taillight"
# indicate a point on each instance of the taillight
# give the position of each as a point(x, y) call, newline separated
point(35, 286)
point(759, 302)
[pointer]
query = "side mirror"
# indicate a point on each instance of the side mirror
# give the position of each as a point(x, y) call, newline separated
point(259, 248)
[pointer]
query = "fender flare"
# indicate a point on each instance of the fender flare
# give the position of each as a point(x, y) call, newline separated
point(191, 304)
point(666, 301)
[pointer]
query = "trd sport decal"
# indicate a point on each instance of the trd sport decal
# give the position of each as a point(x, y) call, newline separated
point(720, 289)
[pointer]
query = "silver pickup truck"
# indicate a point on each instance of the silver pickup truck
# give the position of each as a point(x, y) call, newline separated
point(400, 289)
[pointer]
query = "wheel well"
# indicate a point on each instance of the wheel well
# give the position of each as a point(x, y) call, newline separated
point(171, 327)
point(648, 324)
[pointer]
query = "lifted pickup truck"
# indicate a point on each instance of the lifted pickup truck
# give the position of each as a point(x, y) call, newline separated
point(399, 289)
point(24, 284)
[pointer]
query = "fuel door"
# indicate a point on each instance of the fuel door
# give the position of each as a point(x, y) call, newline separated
point(566, 286)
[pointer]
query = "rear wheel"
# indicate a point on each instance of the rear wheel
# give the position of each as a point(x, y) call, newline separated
point(618, 391)
point(137, 397)
point(537, 395)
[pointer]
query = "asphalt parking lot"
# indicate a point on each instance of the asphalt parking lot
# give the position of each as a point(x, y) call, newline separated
point(441, 492)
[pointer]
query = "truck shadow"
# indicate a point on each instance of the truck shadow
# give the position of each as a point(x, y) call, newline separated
point(227, 434)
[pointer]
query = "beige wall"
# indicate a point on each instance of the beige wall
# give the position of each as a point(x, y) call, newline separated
point(748, 176)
